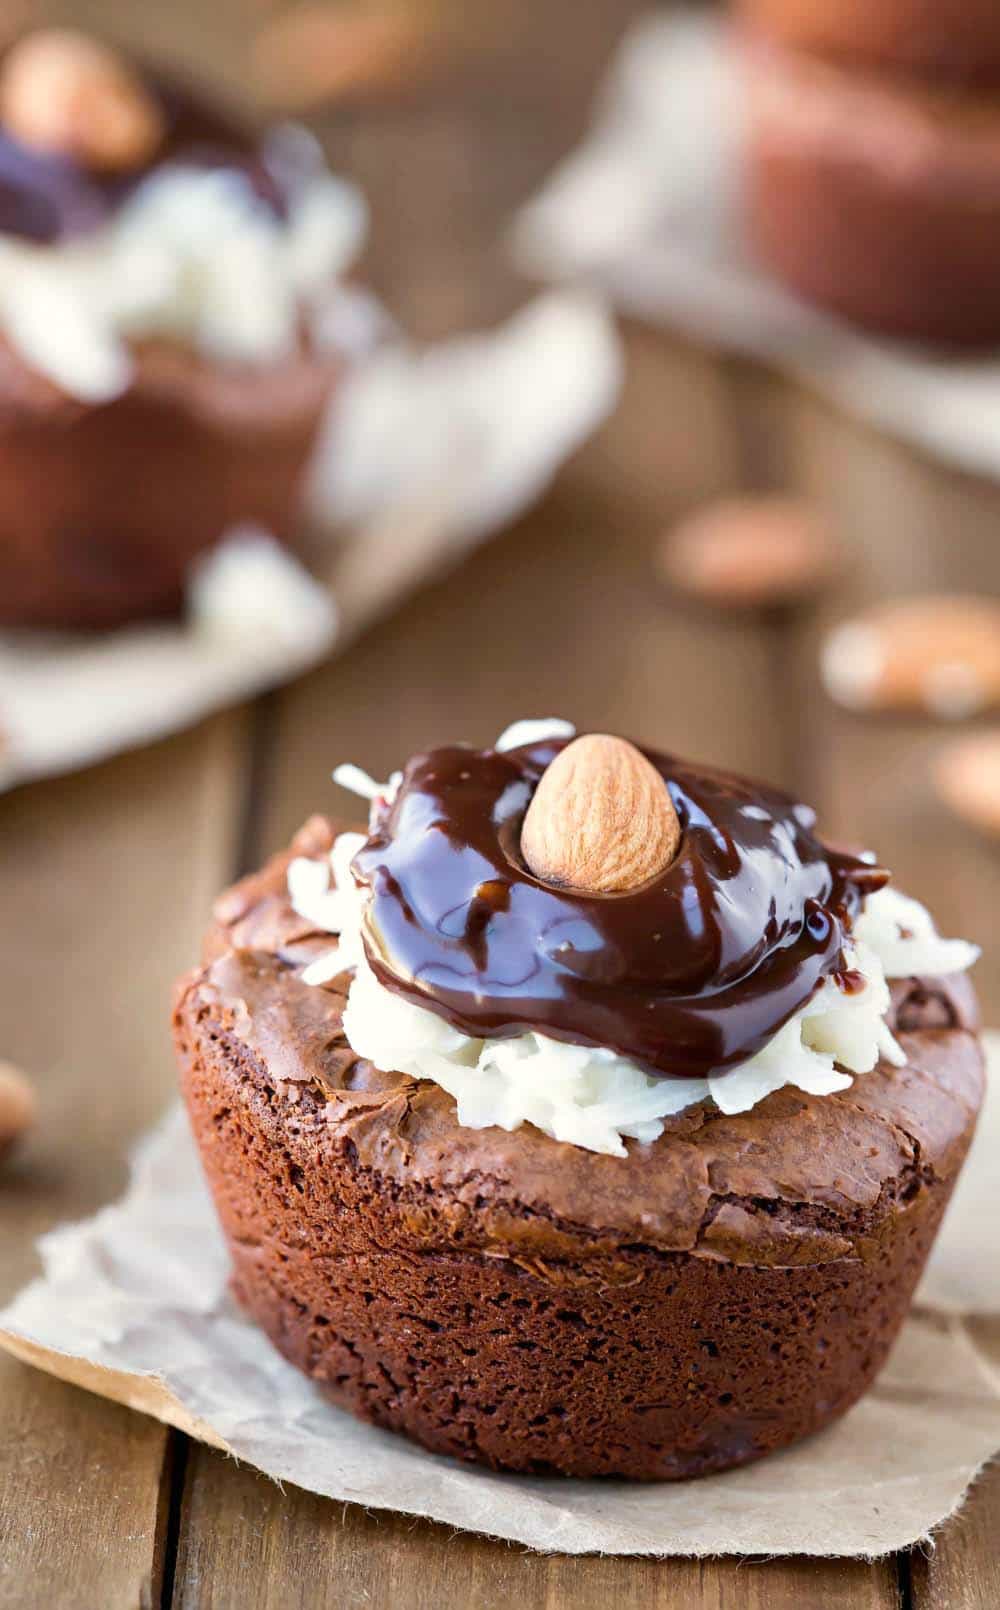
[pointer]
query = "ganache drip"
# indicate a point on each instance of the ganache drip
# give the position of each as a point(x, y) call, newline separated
point(690, 975)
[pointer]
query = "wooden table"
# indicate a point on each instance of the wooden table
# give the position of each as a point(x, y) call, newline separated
point(107, 876)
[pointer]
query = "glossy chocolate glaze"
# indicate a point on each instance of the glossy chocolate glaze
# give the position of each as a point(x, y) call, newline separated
point(689, 975)
point(45, 199)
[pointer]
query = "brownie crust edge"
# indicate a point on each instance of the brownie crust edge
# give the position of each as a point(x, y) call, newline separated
point(512, 1301)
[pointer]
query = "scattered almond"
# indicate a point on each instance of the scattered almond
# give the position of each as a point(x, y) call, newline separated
point(63, 93)
point(968, 779)
point(749, 553)
point(17, 1105)
point(940, 655)
point(601, 820)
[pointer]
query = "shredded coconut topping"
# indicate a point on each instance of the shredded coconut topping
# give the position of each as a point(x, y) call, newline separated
point(591, 1096)
point(902, 932)
point(325, 894)
point(534, 731)
point(194, 256)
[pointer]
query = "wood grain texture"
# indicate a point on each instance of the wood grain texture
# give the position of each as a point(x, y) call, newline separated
point(246, 1543)
point(906, 527)
point(962, 1570)
point(84, 1490)
point(106, 878)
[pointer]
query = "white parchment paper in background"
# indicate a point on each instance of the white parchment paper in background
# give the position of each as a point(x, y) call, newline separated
point(647, 210)
point(134, 1304)
point(424, 453)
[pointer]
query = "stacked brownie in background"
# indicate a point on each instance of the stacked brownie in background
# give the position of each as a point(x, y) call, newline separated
point(872, 160)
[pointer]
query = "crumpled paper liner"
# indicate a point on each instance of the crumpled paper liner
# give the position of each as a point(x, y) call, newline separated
point(133, 1304)
point(423, 454)
point(647, 211)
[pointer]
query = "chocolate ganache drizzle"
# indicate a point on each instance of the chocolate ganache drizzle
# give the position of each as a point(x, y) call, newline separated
point(688, 975)
point(46, 198)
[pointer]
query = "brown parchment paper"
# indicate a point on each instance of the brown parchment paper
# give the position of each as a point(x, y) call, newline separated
point(133, 1304)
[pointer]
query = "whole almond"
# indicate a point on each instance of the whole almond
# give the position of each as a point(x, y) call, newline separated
point(17, 1105)
point(968, 779)
point(601, 819)
point(748, 553)
point(63, 93)
point(938, 654)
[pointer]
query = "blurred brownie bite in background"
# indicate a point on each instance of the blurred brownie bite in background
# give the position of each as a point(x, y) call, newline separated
point(163, 372)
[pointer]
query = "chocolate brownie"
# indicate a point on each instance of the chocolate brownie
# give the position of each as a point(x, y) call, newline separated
point(139, 426)
point(506, 1298)
point(103, 509)
point(876, 199)
point(957, 40)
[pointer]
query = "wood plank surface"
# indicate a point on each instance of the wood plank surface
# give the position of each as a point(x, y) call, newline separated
point(106, 878)
point(292, 1551)
point(84, 1498)
point(907, 527)
point(962, 1569)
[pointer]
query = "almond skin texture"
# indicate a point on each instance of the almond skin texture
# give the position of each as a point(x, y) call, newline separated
point(968, 779)
point(17, 1106)
point(601, 820)
point(748, 553)
point(63, 93)
point(939, 655)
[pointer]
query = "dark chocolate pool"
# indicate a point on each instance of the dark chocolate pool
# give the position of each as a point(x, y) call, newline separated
point(689, 975)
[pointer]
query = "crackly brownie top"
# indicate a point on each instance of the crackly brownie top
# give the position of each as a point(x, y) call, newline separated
point(797, 1178)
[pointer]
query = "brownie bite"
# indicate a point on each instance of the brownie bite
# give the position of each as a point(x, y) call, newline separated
point(945, 40)
point(163, 372)
point(718, 1263)
point(876, 198)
